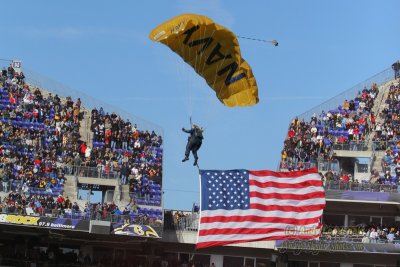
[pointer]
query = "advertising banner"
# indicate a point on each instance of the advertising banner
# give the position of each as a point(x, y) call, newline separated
point(136, 230)
point(45, 222)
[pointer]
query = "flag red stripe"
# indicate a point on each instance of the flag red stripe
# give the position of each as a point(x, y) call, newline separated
point(285, 185)
point(245, 231)
point(293, 174)
point(221, 243)
point(287, 208)
point(252, 218)
point(288, 196)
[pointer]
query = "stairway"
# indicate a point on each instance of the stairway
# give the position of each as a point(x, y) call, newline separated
point(84, 129)
point(378, 108)
point(70, 187)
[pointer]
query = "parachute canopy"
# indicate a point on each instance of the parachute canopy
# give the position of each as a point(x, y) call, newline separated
point(213, 51)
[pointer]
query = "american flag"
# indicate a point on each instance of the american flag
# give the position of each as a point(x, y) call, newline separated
point(242, 206)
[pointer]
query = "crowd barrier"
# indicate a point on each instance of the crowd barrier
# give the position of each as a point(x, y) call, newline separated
point(352, 146)
point(363, 186)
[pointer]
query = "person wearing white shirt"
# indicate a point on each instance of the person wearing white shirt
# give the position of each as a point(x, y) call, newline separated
point(350, 132)
point(373, 236)
point(137, 144)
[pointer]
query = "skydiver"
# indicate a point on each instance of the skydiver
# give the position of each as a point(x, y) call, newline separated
point(194, 142)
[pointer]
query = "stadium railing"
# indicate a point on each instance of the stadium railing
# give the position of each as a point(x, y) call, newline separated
point(295, 164)
point(322, 165)
point(383, 145)
point(352, 146)
point(188, 222)
point(363, 186)
point(91, 172)
point(328, 165)
point(135, 218)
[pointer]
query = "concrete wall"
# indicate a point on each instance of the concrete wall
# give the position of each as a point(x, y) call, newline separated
point(99, 181)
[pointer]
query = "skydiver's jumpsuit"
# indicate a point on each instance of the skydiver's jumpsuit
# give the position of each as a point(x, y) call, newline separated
point(193, 144)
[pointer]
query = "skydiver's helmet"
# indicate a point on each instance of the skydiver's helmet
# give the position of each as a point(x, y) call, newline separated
point(196, 127)
point(198, 131)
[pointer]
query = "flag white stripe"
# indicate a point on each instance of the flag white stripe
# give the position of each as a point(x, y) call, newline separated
point(308, 177)
point(298, 191)
point(255, 212)
point(289, 202)
point(238, 225)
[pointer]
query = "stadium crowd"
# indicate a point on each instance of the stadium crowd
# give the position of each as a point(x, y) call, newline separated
point(40, 143)
point(346, 127)
point(38, 134)
point(135, 155)
point(364, 233)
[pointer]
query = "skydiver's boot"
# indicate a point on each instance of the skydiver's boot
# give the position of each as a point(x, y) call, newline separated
point(185, 159)
point(195, 162)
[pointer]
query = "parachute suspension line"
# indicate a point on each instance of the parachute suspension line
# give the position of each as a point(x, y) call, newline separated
point(198, 56)
point(182, 75)
point(190, 90)
point(3, 59)
point(273, 42)
point(186, 82)
point(211, 36)
point(203, 54)
point(216, 73)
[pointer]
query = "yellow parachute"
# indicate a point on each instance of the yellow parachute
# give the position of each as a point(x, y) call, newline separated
point(213, 51)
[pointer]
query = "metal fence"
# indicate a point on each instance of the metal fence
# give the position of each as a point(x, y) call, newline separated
point(352, 146)
point(322, 165)
point(91, 172)
point(188, 222)
point(328, 165)
point(381, 146)
point(354, 186)
point(95, 172)
point(295, 164)
point(90, 215)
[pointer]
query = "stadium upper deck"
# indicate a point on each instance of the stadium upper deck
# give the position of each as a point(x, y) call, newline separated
point(42, 154)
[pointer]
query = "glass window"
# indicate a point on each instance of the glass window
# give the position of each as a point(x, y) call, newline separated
point(376, 220)
point(333, 220)
point(388, 221)
point(297, 264)
point(203, 259)
point(184, 257)
point(358, 220)
point(249, 262)
point(329, 264)
point(262, 262)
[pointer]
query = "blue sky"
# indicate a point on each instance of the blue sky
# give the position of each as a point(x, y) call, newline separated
point(102, 49)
